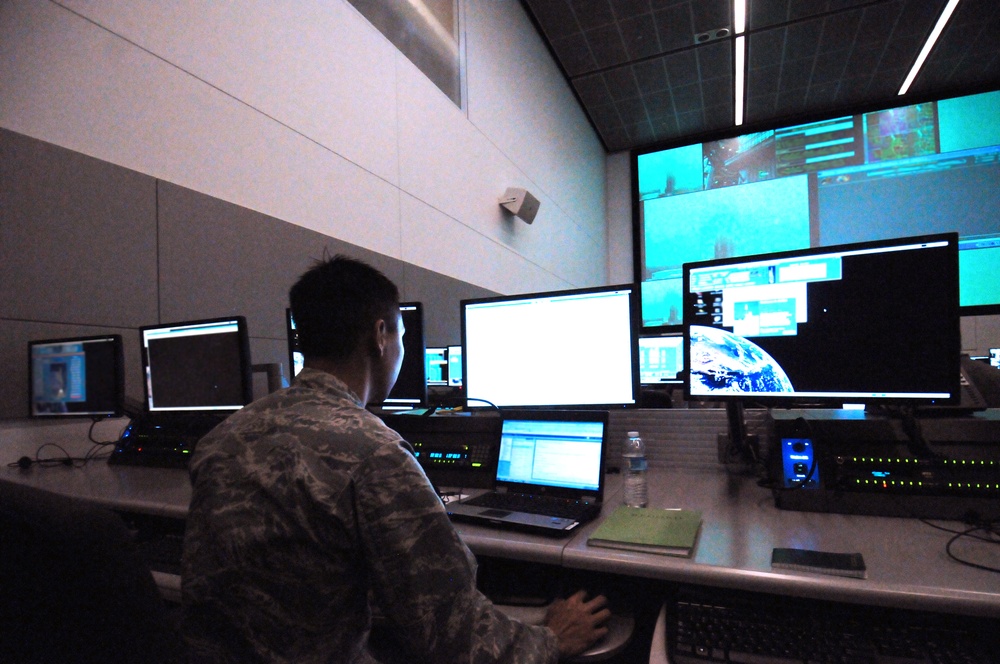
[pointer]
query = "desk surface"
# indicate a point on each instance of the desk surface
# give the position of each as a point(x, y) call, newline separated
point(908, 566)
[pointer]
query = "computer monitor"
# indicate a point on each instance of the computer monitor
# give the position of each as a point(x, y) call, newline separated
point(566, 348)
point(76, 377)
point(410, 390)
point(455, 366)
point(661, 359)
point(437, 365)
point(197, 366)
point(295, 357)
point(918, 169)
point(874, 322)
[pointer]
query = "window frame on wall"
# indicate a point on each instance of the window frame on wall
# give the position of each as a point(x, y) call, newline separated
point(418, 29)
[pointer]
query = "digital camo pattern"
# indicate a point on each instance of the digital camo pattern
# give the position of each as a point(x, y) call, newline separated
point(304, 505)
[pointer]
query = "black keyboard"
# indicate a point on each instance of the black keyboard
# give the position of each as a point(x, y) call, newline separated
point(546, 505)
point(703, 628)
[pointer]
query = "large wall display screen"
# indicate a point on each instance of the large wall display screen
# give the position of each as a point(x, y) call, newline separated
point(926, 168)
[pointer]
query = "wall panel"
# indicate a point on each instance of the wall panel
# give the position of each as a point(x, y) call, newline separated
point(90, 248)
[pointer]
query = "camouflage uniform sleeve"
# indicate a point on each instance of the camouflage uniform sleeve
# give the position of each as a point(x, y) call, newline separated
point(424, 577)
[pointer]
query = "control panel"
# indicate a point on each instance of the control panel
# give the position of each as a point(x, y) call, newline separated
point(865, 464)
point(458, 451)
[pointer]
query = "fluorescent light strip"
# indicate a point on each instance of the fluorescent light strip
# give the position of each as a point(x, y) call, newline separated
point(740, 66)
point(935, 33)
point(739, 25)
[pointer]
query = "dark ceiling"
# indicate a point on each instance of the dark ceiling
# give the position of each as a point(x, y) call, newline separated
point(644, 78)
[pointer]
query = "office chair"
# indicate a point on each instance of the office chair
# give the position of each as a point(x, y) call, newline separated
point(72, 588)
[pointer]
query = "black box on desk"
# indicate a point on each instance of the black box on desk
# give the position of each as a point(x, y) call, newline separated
point(850, 462)
point(454, 450)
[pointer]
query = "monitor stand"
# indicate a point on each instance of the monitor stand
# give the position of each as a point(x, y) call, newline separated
point(737, 446)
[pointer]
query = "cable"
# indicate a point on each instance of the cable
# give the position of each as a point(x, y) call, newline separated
point(992, 537)
point(969, 563)
point(441, 400)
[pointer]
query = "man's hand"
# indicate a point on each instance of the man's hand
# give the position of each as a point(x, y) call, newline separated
point(577, 623)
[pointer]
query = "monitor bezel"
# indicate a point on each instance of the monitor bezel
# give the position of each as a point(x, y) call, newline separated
point(634, 343)
point(118, 349)
point(832, 400)
point(246, 366)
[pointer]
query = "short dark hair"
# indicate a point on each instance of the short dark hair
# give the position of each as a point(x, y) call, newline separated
point(336, 302)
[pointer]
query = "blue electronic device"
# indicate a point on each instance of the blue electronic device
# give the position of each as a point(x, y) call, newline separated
point(798, 463)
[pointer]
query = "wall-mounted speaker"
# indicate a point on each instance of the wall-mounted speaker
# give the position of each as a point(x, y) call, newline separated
point(520, 203)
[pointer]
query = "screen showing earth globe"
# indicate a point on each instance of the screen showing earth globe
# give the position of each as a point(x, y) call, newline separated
point(855, 323)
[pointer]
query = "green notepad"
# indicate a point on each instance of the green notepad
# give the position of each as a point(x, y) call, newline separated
point(667, 532)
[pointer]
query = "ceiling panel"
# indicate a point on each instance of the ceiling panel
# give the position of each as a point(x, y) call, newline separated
point(644, 77)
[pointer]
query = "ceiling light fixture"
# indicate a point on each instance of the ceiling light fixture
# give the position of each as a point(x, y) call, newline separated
point(935, 33)
point(740, 65)
point(739, 46)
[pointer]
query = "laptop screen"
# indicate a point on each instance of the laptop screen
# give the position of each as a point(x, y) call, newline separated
point(555, 453)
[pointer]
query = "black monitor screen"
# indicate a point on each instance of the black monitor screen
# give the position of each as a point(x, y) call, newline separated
point(197, 366)
point(295, 357)
point(919, 169)
point(858, 323)
point(410, 389)
point(661, 359)
point(82, 377)
point(567, 348)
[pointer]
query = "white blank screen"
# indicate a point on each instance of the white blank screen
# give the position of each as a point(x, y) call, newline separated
point(551, 350)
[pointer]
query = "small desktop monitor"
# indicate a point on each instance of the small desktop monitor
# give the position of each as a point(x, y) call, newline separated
point(77, 377)
point(455, 366)
point(874, 322)
point(437, 365)
point(410, 390)
point(661, 359)
point(197, 366)
point(295, 357)
point(566, 348)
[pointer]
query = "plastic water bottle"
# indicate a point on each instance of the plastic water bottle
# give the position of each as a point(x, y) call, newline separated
point(634, 470)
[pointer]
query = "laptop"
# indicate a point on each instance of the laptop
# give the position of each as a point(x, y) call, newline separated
point(549, 473)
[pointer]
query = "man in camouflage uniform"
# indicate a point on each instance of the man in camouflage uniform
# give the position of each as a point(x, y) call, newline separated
point(308, 513)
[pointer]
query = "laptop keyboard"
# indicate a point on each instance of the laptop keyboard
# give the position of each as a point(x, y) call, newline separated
point(545, 505)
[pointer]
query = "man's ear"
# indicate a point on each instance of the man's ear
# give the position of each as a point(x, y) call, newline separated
point(380, 337)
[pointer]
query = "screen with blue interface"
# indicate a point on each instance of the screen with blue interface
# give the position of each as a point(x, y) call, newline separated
point(437, 365)
point(82, 376)
point(563, 454)
point(455, 366)
point(856, 323)
point(661, 359)
point(925, 168)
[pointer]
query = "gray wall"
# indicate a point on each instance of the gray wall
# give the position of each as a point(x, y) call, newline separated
point(87, 247)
